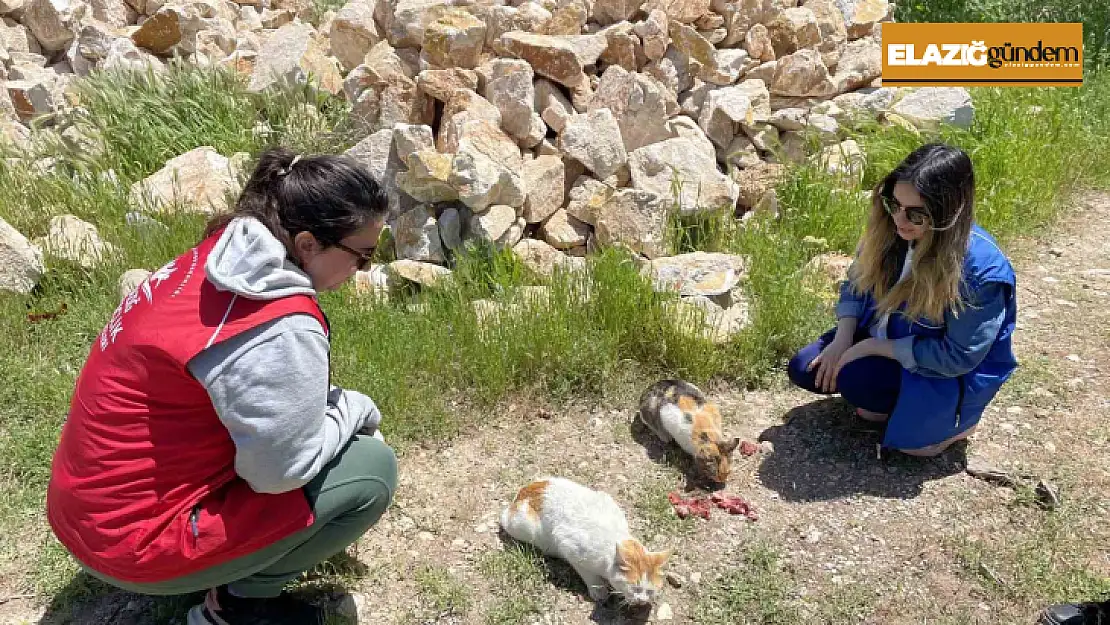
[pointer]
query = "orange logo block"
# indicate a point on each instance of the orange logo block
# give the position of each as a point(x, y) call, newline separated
point(977, 55)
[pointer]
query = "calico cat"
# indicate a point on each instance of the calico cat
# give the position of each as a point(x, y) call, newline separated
point(588, 529)
point(677, 410)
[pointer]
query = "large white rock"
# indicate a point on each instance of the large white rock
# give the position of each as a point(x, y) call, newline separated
point(686, 164)
point(563, 231)
point(844, 160)
point(492, 224)
point(725, 109)
point(509, 87)
point(861, 62)
point(544, 259)
point(464, 106)
point(550, 57)
point(131, 280)
point(550, 103)
point(416, 236)
point(76, 241)
point(428, 176)
point(487, 168)
point(353, 32)
point(594, 139)
point(404, 20)
point(794, 29)
point(802, 74)
point(417, 272)
point(52, 22)
point(862, 15)
point(21, 262)
point(698, 273)
point(544, 180)
point(929, 107)
point(637, 219)
point(453, 38)
point(198, 181)
point(293, 55)
point(378, 155)
point(640, 104)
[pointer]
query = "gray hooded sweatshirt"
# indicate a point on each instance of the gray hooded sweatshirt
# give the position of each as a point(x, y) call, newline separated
point(270, 385)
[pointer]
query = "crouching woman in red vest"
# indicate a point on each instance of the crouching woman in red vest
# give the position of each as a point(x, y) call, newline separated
point(205, 447)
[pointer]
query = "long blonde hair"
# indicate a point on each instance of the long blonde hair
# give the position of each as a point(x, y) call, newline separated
point(944, 177)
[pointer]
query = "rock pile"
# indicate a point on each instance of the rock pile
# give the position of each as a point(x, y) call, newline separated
point(549, 127)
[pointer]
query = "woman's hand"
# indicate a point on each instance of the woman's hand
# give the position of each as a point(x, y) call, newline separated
point(865, 348)
point(828, 361)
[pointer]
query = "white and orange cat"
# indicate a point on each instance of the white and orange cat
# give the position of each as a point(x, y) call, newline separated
point(677, 410)
point(588, 529)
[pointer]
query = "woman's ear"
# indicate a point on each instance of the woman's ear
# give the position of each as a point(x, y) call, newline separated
point(305, 246)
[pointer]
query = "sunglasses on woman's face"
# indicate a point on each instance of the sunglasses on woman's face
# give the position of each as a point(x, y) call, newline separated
point(917, 215)
point(363, 257)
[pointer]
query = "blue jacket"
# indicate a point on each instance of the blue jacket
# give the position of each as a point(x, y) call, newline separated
point(953, 368)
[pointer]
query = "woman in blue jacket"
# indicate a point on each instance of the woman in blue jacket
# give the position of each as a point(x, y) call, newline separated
point(925, 319)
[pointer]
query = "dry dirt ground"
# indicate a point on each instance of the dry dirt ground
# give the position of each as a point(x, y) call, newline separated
point(858, 539)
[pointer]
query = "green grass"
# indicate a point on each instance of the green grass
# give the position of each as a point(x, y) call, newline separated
point(516, 575)
point(652, 506)
point(1049, 560)
point(441, 592)
point(756, 592)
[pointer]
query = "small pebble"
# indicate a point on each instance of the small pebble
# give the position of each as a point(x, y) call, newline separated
point(664, 613)
point(425, 536)
point(1074, 358)
point(1055, 251)
point(1050, 447)
point(674, 579)
point(767, 446)
point(695, 578)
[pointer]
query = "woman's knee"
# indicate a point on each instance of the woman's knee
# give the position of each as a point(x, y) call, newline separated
point(363, 478)
point(798, 368)
point(870, 383)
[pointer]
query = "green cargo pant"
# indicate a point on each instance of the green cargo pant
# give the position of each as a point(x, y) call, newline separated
point(348, 496)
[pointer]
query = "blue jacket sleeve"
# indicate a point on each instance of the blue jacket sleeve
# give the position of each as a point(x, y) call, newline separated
point(966, 340)
point(851, 304)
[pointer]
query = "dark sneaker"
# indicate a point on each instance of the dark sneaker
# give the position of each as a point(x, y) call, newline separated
point(1076, 614)
point(221, 608)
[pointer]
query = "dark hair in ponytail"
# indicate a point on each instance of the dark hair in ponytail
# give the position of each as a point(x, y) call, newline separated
point(326, 195)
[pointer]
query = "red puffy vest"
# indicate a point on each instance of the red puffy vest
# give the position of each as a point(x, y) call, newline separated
point(143, 485)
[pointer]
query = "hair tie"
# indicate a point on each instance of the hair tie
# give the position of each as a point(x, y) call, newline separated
point(285, 172)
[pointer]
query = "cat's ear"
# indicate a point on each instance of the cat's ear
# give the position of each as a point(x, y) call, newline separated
point(660, 557)
point(728, 447)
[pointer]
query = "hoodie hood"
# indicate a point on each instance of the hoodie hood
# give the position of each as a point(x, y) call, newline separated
point(248, 260)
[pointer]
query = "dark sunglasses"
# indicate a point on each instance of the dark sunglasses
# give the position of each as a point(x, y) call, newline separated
point(363, 257)
point(917, 215)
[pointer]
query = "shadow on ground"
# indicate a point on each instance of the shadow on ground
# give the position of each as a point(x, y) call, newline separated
point(561, 575)
point(86, 600)
point(824, 452)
